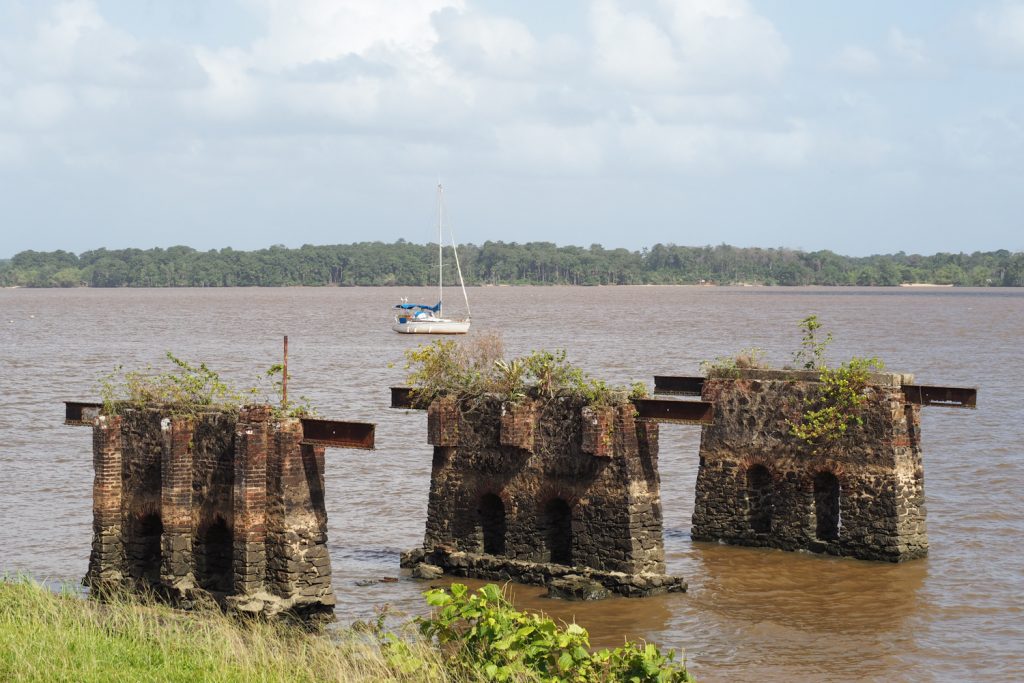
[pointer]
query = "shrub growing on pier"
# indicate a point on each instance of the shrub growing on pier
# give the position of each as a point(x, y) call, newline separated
point(476, 367)
point(192, 387)
point(835, 407)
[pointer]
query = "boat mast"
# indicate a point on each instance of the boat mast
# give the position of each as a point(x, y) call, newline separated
point(440, 255)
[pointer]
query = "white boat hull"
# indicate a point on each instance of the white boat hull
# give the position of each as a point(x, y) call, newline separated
point(432, 327)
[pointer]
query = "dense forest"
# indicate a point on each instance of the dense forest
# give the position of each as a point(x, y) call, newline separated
point(404, 263)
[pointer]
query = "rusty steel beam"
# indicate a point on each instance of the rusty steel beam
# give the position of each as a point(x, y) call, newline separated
point(81, 414)
point(951, 397)
point(403, 397)
point(336, 434)
point(678, 412)
point(682, 386)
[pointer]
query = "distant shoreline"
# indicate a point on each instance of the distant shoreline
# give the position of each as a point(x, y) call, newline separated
point(404, 264)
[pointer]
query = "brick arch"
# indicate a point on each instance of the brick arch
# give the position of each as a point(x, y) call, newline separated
point(759, 461)
point(832, 467)
point(549, 490)
point(486, 488)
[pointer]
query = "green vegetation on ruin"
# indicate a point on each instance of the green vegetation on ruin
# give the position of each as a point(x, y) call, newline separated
point(470, 637)
point(189, 388)
point(476, 367)
point(836, 408)
point(832, 410)
point(541, 263)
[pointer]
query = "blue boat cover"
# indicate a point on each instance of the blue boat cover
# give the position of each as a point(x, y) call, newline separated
point(408, 307)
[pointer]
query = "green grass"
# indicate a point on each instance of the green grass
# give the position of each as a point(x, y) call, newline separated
point(50, 637)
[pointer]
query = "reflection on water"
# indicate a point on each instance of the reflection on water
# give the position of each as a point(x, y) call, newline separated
point(751, 614)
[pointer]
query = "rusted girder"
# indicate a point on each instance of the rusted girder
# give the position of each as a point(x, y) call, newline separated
point(682, 386)
point(679, 412)
point(952, 397)
point(403, 397)
point(337, 434)
point(81, 414)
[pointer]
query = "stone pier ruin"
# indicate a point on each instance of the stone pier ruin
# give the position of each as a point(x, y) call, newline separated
point(535, 492)
point(222, 504)
point(554, 492)
point(860, 495)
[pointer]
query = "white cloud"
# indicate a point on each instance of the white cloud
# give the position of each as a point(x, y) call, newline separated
point(353, 63)
point(703, 44)
point(908, 49)
point(493, 45)
point(303, 31)
point(725, 41)
point(1001, 29)
point(12, 149)
point(856, 60)
point(630, 49)
point(75, 44)
point(59, 38)
point(41, 106)
point(673, 86)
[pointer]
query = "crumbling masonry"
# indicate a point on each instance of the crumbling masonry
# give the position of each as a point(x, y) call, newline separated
point(221, 504)
point(861, 495)
point(540, 491)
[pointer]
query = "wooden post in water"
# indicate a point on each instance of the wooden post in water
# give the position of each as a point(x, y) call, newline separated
point(284, 377)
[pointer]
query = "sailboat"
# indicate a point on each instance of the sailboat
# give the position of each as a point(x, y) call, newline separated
point(427, 319)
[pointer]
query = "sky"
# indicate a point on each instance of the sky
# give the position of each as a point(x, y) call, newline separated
point(867, 127)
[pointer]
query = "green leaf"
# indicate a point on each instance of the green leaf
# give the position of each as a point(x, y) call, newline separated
point(437, 598)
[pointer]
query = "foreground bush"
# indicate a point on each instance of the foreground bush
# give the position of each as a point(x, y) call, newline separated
point(470, 637)
point(481, 632)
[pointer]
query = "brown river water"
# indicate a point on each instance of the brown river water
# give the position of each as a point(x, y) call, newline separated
point(750, 614)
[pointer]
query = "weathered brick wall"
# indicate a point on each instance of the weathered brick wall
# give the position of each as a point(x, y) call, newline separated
point(298, 561)
point(546, 482)
point(107, 562)
point(860, 496)
point(220, 504)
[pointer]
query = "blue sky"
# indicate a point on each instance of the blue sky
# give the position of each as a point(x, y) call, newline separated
point(867, 127)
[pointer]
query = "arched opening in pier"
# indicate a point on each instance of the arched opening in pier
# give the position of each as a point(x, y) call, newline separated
point(759, 498)
point(826, 506)
point(143, 548)
point(558, 531)
point(491, 516)
point(214, 551)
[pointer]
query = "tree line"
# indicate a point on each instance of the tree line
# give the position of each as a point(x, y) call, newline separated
point(540, 263)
